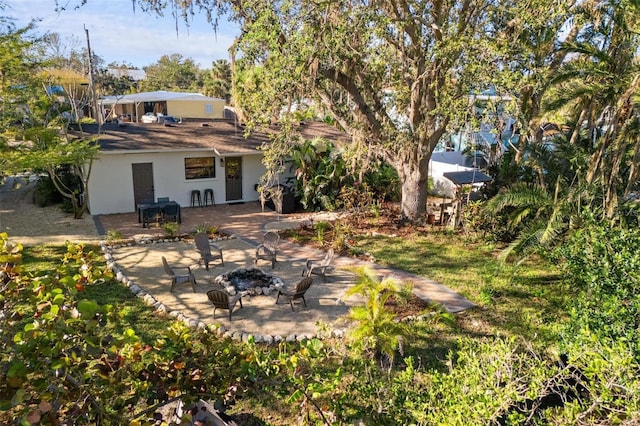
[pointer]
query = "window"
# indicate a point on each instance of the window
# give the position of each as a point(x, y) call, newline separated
point(199, 168)
point(208, 108)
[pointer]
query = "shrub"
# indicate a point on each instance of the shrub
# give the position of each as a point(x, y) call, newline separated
point(113, 235)
point(321, 228)
point(384, 183)
point(602, 262)
point(207, 228)
point(44, 193)
point(170, 229)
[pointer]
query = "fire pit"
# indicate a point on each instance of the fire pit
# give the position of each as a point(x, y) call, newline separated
point(249, 281)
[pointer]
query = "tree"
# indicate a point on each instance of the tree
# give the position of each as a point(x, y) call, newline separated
point(19, 59)
point(389, 73)
point(598, 92)
point(65, 53)
point(530, 49)
point(217, 81)
point(35, 123)
point(171, 72)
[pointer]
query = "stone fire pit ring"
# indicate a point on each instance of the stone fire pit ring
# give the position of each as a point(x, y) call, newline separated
point(249, 282)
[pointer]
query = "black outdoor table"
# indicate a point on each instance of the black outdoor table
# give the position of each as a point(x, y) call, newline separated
point(144, 206)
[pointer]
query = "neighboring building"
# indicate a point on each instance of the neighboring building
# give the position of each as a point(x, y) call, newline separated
point(133, 74)
point(471, 149)
point(139, 163)
point(178, 104)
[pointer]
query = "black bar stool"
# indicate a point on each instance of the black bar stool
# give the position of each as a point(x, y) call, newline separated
point(195, 197)
point(209, 197)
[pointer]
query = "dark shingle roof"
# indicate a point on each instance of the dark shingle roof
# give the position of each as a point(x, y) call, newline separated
point(223, 136)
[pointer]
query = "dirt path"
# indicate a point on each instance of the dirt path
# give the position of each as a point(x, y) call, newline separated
point(32, 225)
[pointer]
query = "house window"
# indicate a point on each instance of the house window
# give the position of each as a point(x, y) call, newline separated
point(199, 168)
point(208, 108)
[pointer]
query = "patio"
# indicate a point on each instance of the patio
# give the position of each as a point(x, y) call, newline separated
point(260, 315)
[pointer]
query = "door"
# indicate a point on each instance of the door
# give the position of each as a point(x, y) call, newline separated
point(143, 191)
point(233, 178)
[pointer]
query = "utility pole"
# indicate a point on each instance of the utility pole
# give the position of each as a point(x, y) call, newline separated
point(92, 88)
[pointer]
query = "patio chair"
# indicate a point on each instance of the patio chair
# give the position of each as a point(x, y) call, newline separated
point(170, 213)
point(179, 278)
point(222, 300)
point(204, 248)
point(268, 250)
point(319, 268)
point(151, 214)
point(296, 293)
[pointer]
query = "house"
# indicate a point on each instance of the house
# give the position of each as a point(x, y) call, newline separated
point(178, 104)
point(139, 163)
point(474, 147)
point(133, 74)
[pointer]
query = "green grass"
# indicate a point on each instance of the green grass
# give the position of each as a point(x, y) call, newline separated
point(526, 300)
point(42, 258)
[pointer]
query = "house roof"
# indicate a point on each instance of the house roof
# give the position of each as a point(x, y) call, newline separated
point(467, 176)
point(157, 96)
point(134, 74)
point(223, 137)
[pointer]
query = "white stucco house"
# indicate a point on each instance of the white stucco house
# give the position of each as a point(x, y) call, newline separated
point(140, 163)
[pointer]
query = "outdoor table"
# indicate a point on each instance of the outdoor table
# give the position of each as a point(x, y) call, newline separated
point(144, 206)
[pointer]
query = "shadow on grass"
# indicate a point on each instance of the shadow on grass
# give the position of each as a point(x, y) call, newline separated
point(42, 257)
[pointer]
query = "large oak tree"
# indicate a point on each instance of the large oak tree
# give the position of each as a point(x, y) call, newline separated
point(395, 75)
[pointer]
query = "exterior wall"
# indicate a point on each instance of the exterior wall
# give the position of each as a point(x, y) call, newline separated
point(252, 170)
point(196, 109)
point(111, 182)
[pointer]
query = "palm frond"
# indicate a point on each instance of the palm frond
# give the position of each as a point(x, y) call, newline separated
point(517, 196)
point(526, 242)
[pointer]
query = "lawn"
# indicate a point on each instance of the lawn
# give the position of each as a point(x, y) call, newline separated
point(525, 300)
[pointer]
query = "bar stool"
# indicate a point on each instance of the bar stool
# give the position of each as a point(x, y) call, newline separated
point(209, 197)
point(195, 197)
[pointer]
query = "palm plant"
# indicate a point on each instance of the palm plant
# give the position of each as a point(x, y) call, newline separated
point(597, 160)
point(548, 199)
point(377, 332)
point(597, 91)
point(538, 215)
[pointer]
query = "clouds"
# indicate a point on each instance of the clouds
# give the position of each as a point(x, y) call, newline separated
point(118, 34)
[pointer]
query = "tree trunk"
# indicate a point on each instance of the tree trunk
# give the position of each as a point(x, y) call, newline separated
point(78, 209)
point(415, 179)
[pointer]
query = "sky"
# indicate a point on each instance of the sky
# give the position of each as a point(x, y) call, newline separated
point(117, 34)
